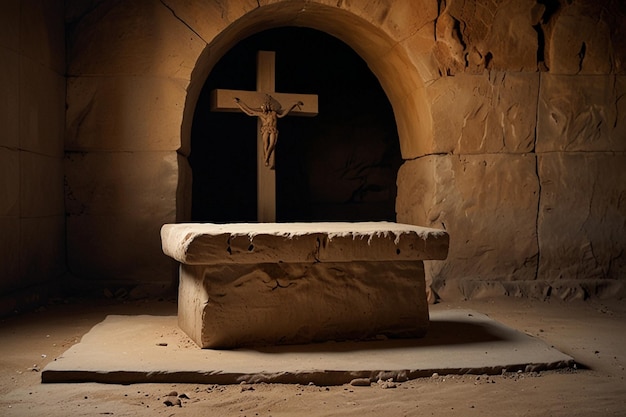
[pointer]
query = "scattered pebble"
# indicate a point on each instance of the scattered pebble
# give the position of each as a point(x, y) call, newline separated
point(387, 384)
point(360, 382)
point(172, 401)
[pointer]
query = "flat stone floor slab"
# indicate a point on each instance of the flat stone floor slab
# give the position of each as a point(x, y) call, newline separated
point(149, 349)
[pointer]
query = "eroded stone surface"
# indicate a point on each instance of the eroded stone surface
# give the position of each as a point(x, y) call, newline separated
point(101, 214)
point(472, 36)
point(487, 202)
point(130, 38)
point(585, 38)
point(94, 119)
point(585, 114)
point(582, 216)
point(224, 306)
point(204, 244)
point(488, 113)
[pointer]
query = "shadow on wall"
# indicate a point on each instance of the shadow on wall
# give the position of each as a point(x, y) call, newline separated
point(338, 166)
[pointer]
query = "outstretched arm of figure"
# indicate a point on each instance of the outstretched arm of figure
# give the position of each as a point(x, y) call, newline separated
point(284, 113)
point(245, 108)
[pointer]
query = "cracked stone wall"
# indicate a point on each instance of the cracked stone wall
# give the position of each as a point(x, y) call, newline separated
point(527, 171)
point(510, 115)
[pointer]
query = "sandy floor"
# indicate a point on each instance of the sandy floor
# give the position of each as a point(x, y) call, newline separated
point(593, 332)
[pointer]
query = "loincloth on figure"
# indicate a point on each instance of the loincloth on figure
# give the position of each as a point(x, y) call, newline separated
point(269, 129)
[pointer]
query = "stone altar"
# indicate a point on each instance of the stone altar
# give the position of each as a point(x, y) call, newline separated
point(287, 283)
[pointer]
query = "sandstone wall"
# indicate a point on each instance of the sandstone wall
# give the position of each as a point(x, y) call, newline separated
point(510, 116)
point(527, 172)
point(32, 101)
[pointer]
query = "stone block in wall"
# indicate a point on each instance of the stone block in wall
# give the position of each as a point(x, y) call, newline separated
point(124, 113)
point(9, 182)
point(419, 47)
point(10, 24)
point(9, 253)
point(488, 113)
point(471, 37)
point(9, 98)
point(488, 205)
point(141, 184)
point(583, 37)
point(41, 185)
point(42, 249)
point(582, 216)
point(42, 33)
point(210, 18)
point(116, 205)
point(581, 113)
point(130, 38)
point(123, 248)
point(398, 18)
point(41, 109)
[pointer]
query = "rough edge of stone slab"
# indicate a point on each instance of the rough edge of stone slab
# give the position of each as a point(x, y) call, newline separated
point(319, 378)
point(209, 243)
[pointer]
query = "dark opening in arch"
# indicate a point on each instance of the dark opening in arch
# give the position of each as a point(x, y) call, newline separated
point(338, 166)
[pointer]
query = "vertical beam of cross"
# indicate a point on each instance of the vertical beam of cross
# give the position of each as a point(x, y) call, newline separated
point(224, 100)
point(266, 178)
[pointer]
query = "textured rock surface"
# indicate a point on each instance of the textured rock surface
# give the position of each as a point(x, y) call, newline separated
point(251, 243)
point(243, 284)
point(582, 216)
point(224, 306)
point(586, 37)
point(488, 204)
point(102, 214)
point(490, 113)
point(32, 107)
point(586, 115)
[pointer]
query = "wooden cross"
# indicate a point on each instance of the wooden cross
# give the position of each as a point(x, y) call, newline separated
point(227, 100)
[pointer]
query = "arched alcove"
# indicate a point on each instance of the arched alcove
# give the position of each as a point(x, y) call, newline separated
point(339, 165)
point(387, 59)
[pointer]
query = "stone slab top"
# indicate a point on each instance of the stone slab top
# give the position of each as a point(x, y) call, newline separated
point(251, 243)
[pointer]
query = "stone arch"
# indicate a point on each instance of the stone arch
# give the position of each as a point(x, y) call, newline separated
point(387, 59)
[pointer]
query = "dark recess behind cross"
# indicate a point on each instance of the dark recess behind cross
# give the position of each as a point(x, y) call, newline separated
point(339, 165)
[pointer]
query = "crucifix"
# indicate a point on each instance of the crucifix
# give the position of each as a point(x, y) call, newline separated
point(267, 105)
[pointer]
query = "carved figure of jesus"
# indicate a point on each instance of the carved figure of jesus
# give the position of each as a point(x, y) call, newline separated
point(268, 113)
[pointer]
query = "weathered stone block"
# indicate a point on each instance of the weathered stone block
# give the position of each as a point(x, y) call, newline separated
point(44, 237)
point(9, 253)
point(581, 38)
point(582, 113)
point(269, 283)
point(42, 34)
point(488, 113)
point(42, 109)
point(120, 197)
point(210, 18)
point(473, 36)
point(9, 98)
point(582, 216)
point(10, 23)
point(41, 185)
point(133, 38)
point(104, 248)
point(487, 202)
point(141, 184)
point(225, 306)
point(124, 113)
point(9, 182)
